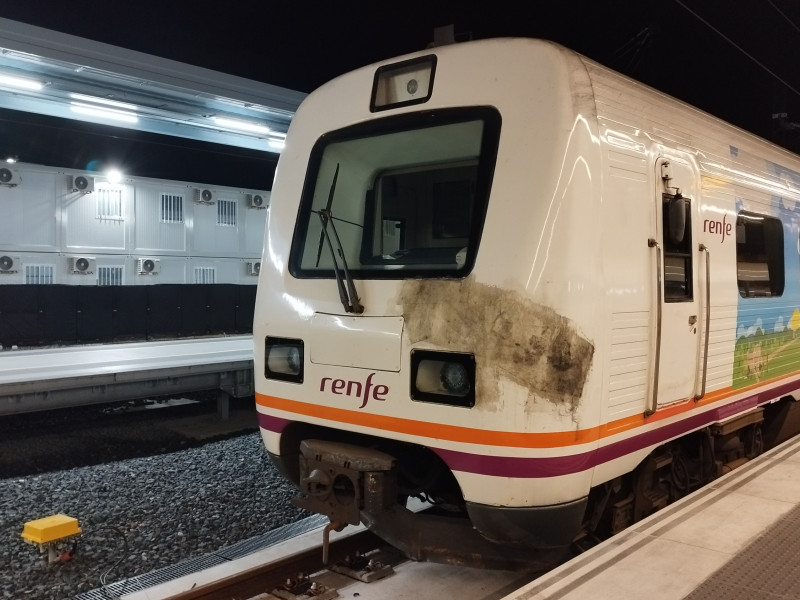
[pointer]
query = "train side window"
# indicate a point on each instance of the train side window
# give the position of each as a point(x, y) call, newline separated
point(677, 242)
point(759, 255)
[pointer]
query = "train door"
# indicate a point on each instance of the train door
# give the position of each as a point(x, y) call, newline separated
point(677, 300)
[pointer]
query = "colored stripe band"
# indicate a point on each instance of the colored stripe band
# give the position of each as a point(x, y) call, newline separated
point(530, 467)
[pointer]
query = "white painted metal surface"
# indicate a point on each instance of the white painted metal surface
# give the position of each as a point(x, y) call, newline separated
point(372, 343)
point(577, 193)
point(49, 378)
point(21, 366)
point(46, 222)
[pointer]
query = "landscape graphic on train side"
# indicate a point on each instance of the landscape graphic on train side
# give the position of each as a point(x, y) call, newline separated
point(768, 337)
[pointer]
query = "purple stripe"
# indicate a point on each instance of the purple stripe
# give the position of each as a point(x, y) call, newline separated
point(271, 423)
point(517, 467)
point(540, 467)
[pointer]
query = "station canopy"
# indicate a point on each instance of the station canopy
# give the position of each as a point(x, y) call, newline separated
point(60, 75)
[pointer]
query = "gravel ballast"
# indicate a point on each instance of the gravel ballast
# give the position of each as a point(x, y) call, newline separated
point(142, 513)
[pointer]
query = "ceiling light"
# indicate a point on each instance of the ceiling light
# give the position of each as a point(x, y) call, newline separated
point(103, 113)
point(113, 176)
point(241, 125)
point(104, 101)
point(20, 82)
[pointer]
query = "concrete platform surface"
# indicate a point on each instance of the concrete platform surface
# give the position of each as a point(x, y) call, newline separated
point(737, 539)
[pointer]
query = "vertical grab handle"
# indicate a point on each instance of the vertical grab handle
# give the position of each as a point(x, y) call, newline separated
point(652, 243)
point(707, 327)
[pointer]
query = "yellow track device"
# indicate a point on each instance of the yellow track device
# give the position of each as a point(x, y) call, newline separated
point(50, 532)
point(50, 529)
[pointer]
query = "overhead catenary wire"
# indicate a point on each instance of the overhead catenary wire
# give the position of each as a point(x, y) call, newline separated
point(739, 48)
point(634, 50)
point(783, 14)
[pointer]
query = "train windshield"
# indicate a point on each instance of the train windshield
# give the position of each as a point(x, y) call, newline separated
point(398, 197)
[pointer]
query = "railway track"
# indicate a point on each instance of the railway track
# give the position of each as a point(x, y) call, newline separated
point(289, 574)
point(360, 565)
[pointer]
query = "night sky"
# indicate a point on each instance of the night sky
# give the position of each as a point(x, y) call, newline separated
point(736, 59)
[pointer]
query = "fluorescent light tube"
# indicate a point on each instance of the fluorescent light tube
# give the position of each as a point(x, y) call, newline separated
point(20, 82)
point(105, 101)
point(241, 125)
point(103, 113)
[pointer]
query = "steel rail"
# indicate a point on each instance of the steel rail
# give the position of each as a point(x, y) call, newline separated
point(266, 577)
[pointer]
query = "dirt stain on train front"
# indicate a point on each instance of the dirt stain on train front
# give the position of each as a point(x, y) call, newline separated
point(511, 336)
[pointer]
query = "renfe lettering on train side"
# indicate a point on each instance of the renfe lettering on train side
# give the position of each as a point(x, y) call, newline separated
point(720, 228)
point(355, 388)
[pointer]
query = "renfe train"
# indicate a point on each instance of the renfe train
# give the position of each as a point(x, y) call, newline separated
point(543, 297)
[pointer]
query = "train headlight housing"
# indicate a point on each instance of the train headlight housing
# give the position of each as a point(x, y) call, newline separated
point(283, 359)
point(443, 377)
point(403, 83)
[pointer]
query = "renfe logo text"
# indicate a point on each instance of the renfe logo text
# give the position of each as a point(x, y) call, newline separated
point(721, 228)
point(355, 388)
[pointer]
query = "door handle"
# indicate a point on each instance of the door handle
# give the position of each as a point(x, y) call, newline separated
point(707, 328)
point(652, 243)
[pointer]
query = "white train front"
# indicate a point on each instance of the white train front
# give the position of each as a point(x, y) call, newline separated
point(505, 279)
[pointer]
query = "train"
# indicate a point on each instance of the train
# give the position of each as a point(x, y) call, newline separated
point(534, 296)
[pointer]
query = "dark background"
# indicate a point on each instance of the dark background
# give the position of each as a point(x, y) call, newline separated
point(737, 59)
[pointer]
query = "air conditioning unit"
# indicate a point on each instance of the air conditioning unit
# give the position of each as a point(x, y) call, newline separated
point(254, 268)
point(9, 265)
point(203, 196)
point(9, 177)
point(81, 183)
point(256, 201)
point(82, 265)
point(148, 266)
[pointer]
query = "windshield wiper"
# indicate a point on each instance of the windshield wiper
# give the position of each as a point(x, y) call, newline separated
point(346, 285)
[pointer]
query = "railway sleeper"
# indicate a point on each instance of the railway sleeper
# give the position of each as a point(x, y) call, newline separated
point(301, 587)
point(362, 567)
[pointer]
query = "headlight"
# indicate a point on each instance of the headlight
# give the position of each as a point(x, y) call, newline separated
point(455, 379)
point(283, 359)
point(443, 377)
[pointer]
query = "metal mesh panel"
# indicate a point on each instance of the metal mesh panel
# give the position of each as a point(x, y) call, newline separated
point(193, 565)
point(126, 586)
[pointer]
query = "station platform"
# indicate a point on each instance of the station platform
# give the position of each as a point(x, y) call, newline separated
point(737, 539)
point(49, 378)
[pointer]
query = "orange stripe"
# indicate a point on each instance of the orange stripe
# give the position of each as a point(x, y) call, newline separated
point(432, 430)
point(511, 439)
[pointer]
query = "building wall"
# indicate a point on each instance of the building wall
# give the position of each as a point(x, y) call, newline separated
point(188, 237)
